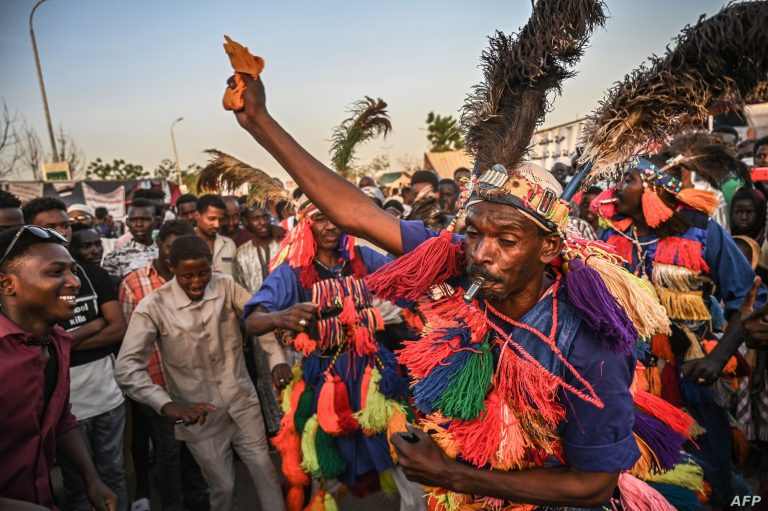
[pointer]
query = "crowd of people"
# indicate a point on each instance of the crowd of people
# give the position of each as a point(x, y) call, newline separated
point(513, 337)
point(173, 325)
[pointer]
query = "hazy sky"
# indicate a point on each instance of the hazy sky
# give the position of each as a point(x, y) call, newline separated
point(119, 73)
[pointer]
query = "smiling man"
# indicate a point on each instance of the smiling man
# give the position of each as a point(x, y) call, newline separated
point(195, 322)
point(38, 289)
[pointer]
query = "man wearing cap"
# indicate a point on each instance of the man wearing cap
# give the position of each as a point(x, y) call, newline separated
point(81, 214)
point(38, 287)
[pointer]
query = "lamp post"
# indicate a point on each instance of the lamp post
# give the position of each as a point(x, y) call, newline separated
point(175, 152)
point(42, 85)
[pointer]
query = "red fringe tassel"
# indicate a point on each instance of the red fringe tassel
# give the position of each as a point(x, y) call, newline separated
point(681, 252)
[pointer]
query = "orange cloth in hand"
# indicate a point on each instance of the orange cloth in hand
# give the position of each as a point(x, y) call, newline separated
point(243, 63)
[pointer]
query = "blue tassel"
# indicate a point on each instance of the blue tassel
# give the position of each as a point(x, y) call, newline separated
point(310, 369)
point(428, 390)
point(716, 311)
point(695, 393)
point(684, 499)
point(392, 384)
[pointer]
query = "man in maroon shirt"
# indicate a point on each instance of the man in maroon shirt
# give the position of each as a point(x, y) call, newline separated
point(38, 288)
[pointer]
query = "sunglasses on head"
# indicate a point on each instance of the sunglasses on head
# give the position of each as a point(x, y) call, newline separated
point(40, 232)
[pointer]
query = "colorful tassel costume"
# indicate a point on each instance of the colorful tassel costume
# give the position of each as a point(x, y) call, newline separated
point(347, 392)
point(492, 390)
point(680, 270)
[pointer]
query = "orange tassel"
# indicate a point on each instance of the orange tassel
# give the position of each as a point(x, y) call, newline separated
point(730, 366)
point(349, 315)
point(641, 382)
point(334, 413)
point(681, 252)
point(653, 375)
point(623, 224)
point(659, 409)
point(478, 440)
point(326, 415)
point(294, 500)
point(304, 344)
point(705, 201)
point(317, 503)
point(654, 209)
point(364, 342)
point(364, 384)
point(661, 348)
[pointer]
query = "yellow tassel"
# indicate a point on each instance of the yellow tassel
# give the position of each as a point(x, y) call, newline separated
point(308, 450)
point(684, 305)
point(374, 418)
point(285, 396)
point(688, 475)
point(330, 503)
point(387, 483)
point(677, 278)
point(634, 295)
point(694, 350)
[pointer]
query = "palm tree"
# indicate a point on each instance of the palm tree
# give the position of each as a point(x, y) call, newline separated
point(368, 120)
point(443, 133)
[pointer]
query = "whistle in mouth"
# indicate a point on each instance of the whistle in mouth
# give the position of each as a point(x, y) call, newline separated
point(473, 289)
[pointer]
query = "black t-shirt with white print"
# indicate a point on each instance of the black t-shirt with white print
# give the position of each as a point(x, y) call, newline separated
point(96, 289)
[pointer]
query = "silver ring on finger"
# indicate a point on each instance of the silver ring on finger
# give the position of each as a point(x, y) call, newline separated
point(303, 323)
point(701, 381)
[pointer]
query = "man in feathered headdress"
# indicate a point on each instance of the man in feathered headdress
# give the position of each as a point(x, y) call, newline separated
point(660, 221)
point(532, 376)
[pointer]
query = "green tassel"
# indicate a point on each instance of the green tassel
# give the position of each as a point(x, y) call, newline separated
point(375, 416)
point(309, 458)
point(304, 408)
point(387, 482)
point(329, 459)
point(465, 396)
point(285, 397)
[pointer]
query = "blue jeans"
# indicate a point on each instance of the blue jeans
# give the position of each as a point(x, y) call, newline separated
point(103, 435)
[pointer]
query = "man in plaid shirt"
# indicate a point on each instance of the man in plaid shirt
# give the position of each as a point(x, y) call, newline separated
point(137, 285)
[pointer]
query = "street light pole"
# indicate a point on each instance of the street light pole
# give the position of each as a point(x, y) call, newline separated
point(42, 85)
point(176, 152)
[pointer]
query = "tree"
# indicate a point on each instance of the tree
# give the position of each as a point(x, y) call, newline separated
point(368, 120)
point(443, 133)
point(33, 154)
point(117, 170)
point(69, 152)
point(10, 143)
point(378, 163)
point(166, 169)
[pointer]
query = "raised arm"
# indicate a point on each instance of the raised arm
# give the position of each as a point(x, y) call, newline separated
point(355, 213)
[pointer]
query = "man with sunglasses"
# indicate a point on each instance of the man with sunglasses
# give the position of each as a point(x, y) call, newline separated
point(97, 328)
point(38, 288)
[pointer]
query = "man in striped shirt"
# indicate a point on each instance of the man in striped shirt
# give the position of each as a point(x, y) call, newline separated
point(137, 285)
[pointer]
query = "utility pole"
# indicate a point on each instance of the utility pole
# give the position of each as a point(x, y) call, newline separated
point(175, 152)
point(55, 153)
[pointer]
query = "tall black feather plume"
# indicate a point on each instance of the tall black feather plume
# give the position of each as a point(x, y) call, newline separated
point(720, 63)
point(500, 115)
